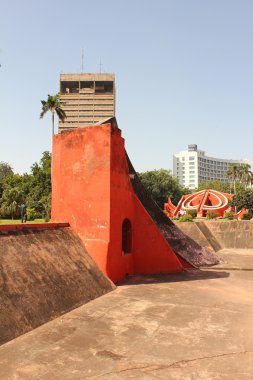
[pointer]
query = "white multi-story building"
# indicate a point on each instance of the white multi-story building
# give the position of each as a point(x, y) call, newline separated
point(192, 167)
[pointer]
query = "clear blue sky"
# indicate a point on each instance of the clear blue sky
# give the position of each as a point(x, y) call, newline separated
point(184, 73)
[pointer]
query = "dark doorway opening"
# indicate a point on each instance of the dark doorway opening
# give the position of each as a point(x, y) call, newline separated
point(126, 237)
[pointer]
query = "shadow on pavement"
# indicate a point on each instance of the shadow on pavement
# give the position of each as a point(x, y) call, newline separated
point(187, 275)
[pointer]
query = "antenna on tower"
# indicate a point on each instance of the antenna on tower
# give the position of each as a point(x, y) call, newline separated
point(100, 66)
point(82, 59)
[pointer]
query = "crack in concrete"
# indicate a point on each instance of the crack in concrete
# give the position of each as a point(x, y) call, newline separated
point(177, 364)
point(180, 363)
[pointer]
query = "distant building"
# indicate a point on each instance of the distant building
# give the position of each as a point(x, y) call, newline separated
point(86, 99)
point(192, 167)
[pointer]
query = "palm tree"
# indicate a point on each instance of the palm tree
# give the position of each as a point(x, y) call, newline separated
point(53, 104)
point(233, 174)
point(245, 174)
point(10, 202)
point(251, 179)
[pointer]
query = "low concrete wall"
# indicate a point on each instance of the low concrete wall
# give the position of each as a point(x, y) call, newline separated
point(216, 235)
point(232, 234)
point(44, 272)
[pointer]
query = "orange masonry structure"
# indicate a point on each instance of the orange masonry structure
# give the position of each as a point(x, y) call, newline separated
point(92, 190)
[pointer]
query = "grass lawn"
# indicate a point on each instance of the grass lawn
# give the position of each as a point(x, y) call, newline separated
point(17, 221)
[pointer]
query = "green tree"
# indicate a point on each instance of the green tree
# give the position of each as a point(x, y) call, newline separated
point(5, 170)
point(241, 176)
point(15, 189)
point(10, 203)
point(40, 183)
point(22, 183)
point(161, 184)
point(245, 175)
point(53, 105)
point(215, 185)
point(243, 199)
point(46, 204)
point(34, 188)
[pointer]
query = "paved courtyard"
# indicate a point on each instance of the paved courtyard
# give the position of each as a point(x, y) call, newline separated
point(195, 325)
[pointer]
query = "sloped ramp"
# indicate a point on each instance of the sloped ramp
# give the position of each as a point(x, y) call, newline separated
point(44, 273)
point(197, 234)
point(202, 226)
point(183, 245)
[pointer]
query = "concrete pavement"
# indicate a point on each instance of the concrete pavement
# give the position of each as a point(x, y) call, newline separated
point(235, 259)
point(194, 325)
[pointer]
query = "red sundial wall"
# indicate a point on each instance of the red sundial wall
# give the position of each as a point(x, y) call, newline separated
point(91, 190)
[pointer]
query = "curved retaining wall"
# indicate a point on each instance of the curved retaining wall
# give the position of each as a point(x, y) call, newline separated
point(44, 272)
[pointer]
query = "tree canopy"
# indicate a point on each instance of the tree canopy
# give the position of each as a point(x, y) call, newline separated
point(240, 173)
point(161, 184)
point(241, 177)
point(215, 185)
point(243, 199)
point(34, 189)
point(5, 170)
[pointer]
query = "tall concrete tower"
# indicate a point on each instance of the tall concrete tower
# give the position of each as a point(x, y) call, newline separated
point(86, 99)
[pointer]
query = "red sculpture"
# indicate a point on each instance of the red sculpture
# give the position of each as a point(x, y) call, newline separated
point(203, 201)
